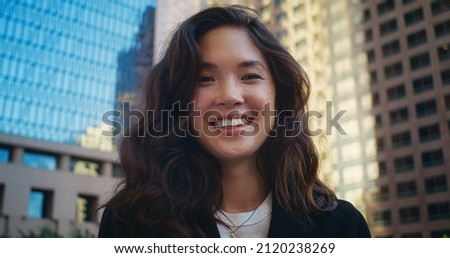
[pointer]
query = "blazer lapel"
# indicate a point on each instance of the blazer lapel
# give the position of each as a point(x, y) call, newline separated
point(209, 228)
point(282, 225)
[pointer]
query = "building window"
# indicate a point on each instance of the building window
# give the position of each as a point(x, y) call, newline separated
point(405, 2)
point(281, 34)
point(382, 169)
point(409, 215)
point(278, 2)
point(382, 218)
point(40, 204)
point(5, 154)
point(381, 193)
point(378, 121)
point(385, 6)
point(380, 145)
point(436, 184)
point(417, 38)
point(84, 167)
point(443, 52)
point(445, 76)
point(118, 171)
point(439, 211)
point(40, 160)
point(423, 84)
point(442, 29)
point(393, 70)
point(368, 36)
point(406, 189)
point(375, 99)
point(388, 27)
point(86, 208)
point(398, 116)
point(432, 158)
point(413, 16)
point(404, 164)
point(391, 48)
point(447, 101)
point(2, 196)
point(412, 235)
point(429, 133)
point(366, 15)
point(440, 6)
point(401, 139)
point(280, 17)
point(396, 92)
point(370, 56)
point(440, 233)
point(300, 26)
point(298, 8)
point(426, 108)
point(373, 77)
point(419, 61)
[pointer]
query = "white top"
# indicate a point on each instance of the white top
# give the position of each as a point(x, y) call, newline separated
point(254, 223)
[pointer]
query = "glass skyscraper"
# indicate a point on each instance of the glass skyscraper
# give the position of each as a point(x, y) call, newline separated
point(59, 64)
point(63, 64)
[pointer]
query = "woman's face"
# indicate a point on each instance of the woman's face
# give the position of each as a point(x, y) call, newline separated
point(234, 98)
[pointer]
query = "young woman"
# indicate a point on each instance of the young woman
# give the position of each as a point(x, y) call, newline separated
point(225, 150)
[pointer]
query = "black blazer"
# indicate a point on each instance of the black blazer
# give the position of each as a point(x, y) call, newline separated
point(344, 221)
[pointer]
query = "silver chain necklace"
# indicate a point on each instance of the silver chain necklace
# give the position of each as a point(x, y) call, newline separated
point(233, 232)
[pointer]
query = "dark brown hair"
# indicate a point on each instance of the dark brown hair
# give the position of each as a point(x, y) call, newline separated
point(171, 182)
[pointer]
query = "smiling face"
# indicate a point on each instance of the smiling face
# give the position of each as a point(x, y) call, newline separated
point(234, 89)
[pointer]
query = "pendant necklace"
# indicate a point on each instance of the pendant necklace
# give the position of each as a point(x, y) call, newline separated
point(233, 232)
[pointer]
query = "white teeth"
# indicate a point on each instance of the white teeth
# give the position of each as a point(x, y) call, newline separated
point(231, 122)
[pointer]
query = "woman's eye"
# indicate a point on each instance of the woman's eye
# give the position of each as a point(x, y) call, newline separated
point(205, 80)
point(252, 76)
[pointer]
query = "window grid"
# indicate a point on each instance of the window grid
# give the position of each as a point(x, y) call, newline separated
point(429, 133)
point(426, 108)
point(419, 61)
point(413, 17)
point(432, 158)
point(423, 84)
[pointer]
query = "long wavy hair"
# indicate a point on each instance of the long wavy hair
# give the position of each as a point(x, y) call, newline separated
point(171, 182)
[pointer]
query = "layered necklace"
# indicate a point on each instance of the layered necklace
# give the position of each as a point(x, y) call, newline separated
point(247, 224)
point(233, 228)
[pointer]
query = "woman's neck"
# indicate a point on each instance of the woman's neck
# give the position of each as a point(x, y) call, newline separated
point(244, 188)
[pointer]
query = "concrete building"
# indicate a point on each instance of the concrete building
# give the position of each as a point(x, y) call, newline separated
point(45, 184)
point(407, 49)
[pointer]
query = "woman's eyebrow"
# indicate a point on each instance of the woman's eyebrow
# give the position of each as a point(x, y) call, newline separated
point(251, 63)
point(209, 65)
point(244, 64)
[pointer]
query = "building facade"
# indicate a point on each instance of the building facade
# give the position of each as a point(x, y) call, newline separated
point(60, 71)
point(407, 49)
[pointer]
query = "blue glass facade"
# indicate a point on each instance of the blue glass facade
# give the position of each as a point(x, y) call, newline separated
point(59, 64)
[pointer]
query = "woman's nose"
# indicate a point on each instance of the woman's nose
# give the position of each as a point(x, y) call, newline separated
point(230, 94)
